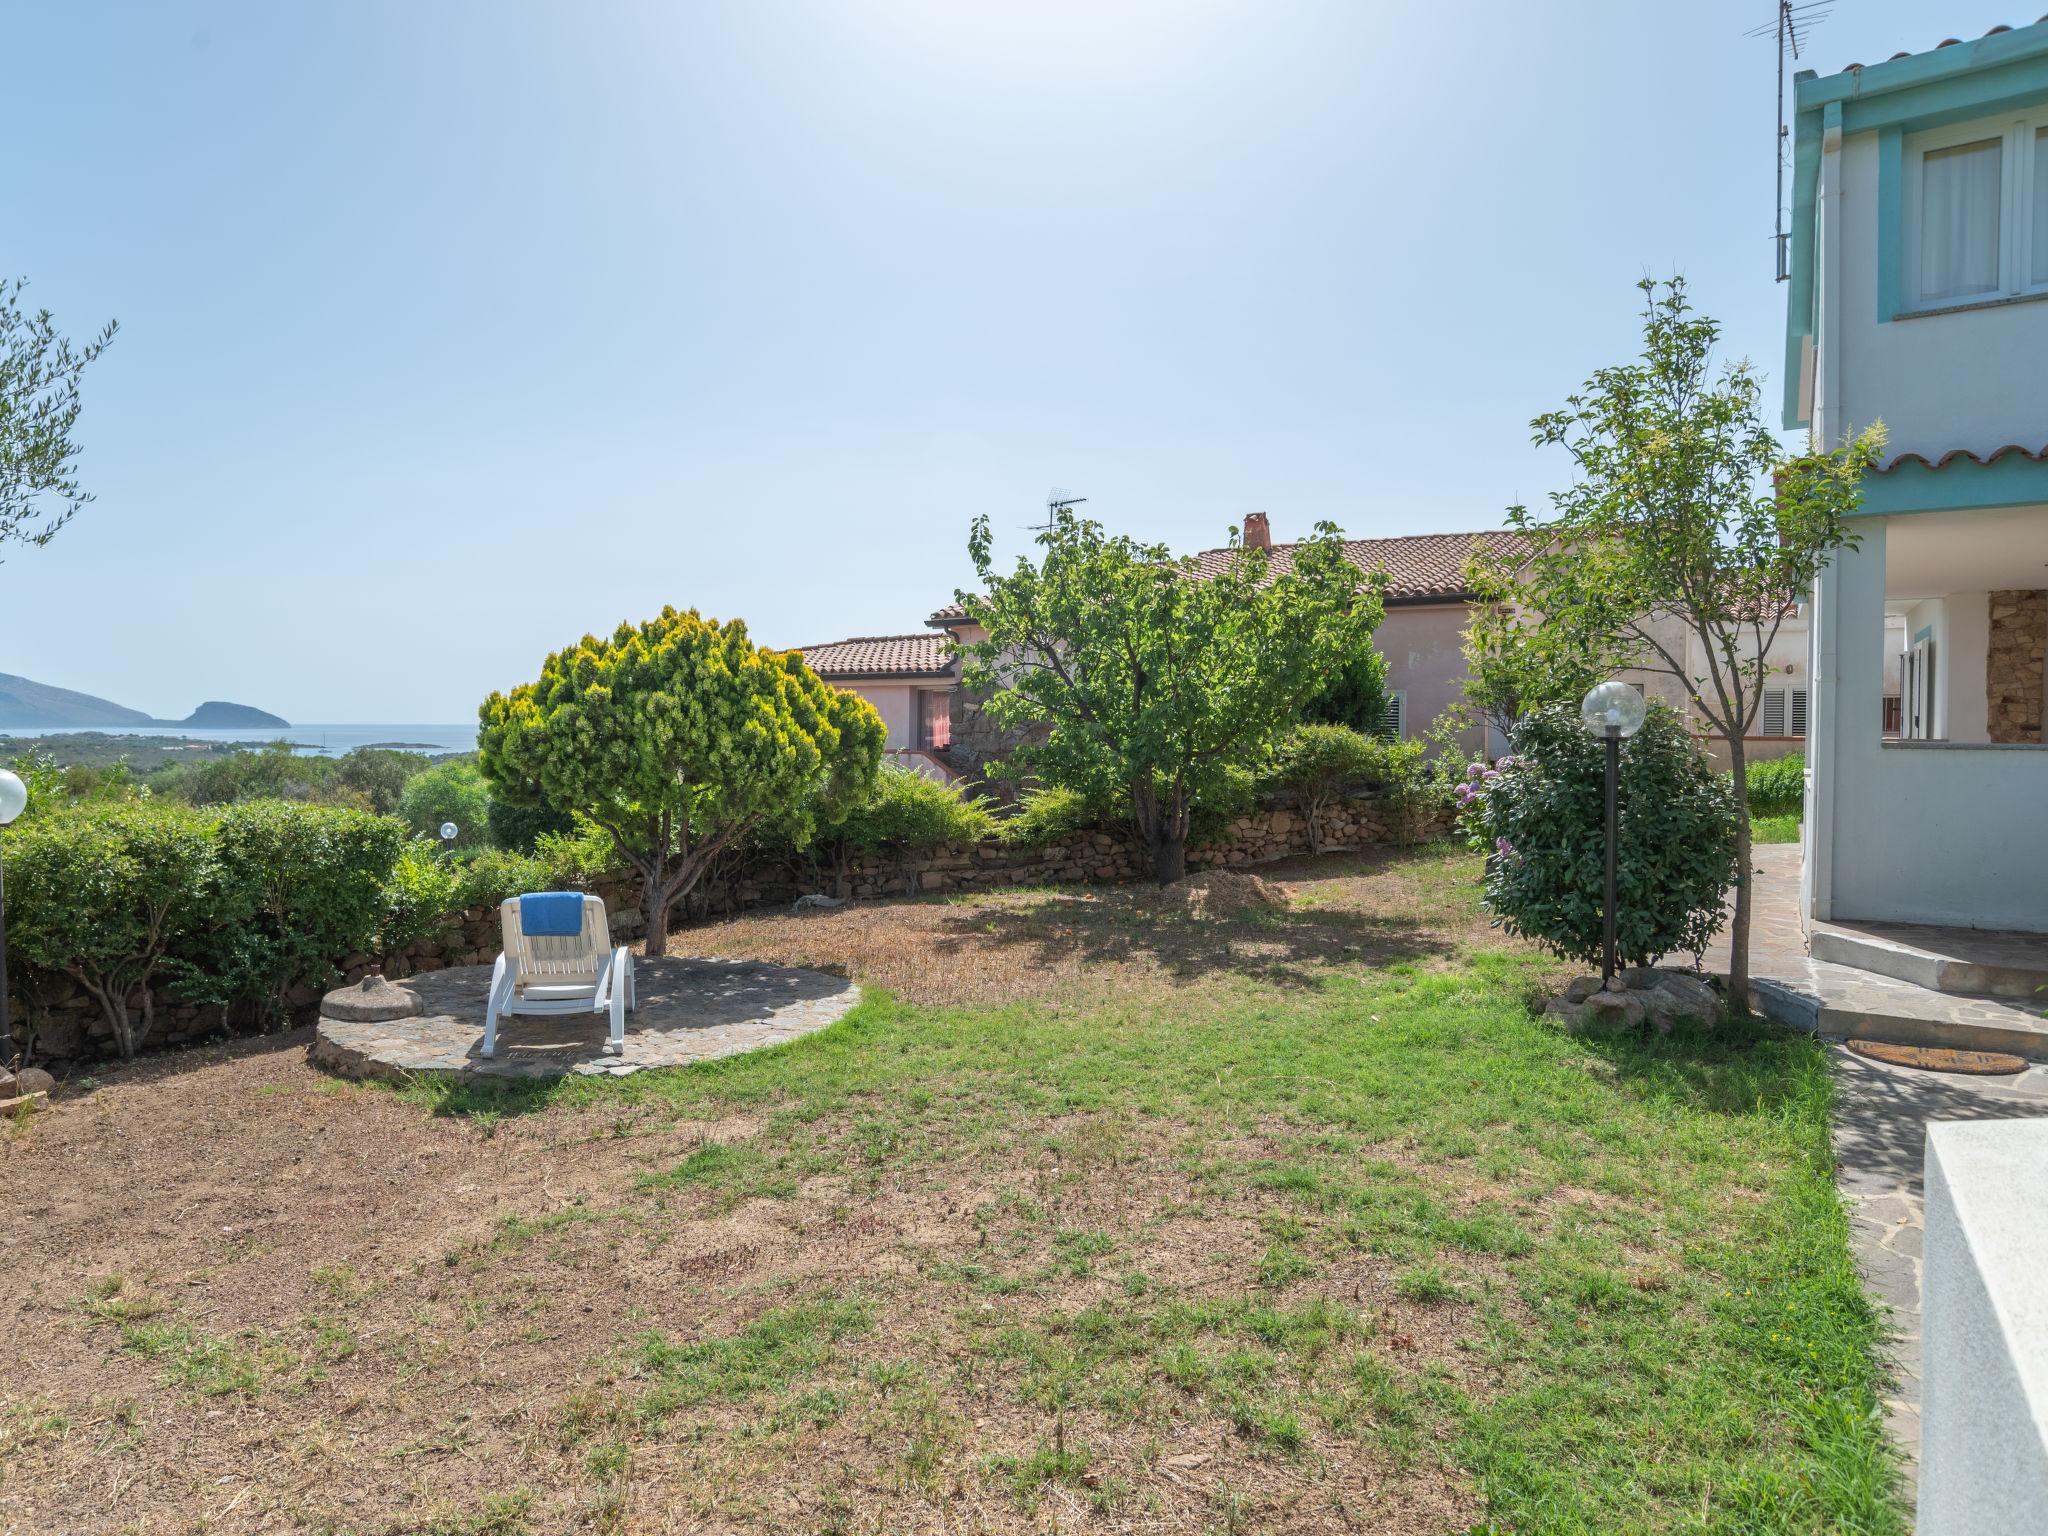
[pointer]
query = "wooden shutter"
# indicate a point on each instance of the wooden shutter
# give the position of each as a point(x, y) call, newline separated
point(1798, 711)
point(1397, 716)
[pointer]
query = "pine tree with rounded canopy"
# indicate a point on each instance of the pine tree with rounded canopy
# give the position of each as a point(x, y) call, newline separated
point(678, 737)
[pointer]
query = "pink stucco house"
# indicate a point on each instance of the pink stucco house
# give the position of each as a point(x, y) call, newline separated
point(935, 726)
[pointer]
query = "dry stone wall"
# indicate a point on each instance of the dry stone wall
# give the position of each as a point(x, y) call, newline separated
point(68, 1027)
point(2013, 665)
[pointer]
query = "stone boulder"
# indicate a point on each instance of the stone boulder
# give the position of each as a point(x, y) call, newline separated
point(1640, 995)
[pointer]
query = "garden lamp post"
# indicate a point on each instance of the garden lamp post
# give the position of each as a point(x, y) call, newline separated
point(1613, 711)
point(449, 832)
point(13, 801)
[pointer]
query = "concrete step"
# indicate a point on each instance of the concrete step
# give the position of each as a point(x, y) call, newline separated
point(1902, 1014)
point(1964, 961)
point(1841, 1002)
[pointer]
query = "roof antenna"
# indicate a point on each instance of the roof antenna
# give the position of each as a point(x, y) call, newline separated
point(1790, 28)
point(1056, 502)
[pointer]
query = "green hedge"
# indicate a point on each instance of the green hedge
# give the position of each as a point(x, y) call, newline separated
point(237, 906)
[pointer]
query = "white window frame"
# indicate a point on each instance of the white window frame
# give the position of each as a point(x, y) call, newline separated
point(2020, 143)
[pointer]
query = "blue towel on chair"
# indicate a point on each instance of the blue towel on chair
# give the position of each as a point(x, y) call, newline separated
point(551, 914)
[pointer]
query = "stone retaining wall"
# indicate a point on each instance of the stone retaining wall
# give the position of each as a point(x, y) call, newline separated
point(68, 1025)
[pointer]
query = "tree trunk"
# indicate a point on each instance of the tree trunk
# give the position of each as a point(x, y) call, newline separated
point(658, 896)
point(1738, 930)
point(1169, 857)
point(1162, 829)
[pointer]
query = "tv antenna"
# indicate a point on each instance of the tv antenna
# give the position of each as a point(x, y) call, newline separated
point(1790, 27)
point(1056, 502)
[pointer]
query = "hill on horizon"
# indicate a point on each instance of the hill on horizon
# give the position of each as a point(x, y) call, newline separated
point(27, 703)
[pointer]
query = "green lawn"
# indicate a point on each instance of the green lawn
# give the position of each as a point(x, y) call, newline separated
point(1774, 829)
point(1302, 1221)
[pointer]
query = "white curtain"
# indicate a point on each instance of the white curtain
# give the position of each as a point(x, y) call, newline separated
point(1959, 194)
point(2041, 206)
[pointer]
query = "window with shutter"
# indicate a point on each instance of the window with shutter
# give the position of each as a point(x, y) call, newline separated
point(1798, 711)
point(1772, 721)
point(1397, 716)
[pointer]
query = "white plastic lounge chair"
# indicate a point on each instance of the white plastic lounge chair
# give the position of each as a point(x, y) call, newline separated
point(559, 959)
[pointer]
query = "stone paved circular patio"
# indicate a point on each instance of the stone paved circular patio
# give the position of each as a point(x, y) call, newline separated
point(690, 1010)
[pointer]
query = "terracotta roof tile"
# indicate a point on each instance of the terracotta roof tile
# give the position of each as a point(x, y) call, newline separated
point(920, 655)
point(1946, 42)
point(1959, 453)
point(1419, 567)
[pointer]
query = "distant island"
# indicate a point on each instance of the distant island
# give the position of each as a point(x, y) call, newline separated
point(26, 703)
point(217, 715)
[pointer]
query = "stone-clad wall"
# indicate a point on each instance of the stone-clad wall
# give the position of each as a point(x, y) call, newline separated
point(2013, 665)
point(68, 1025)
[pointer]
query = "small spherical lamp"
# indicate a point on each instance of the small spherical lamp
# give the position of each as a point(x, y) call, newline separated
point(13, 796)
point(449, 831)
point(1613, 708)
point(1612, 711)
point(13, 801)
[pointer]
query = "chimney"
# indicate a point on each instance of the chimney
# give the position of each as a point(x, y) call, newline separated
point(1258, 534)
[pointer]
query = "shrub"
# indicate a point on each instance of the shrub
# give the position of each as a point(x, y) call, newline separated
point(451, 791)
point(102, 894)
point(379, 774)
point(425, 886)
point(299, 888)
point(905, 815)
point(1539, 818)
point(519, 828)
point(578, 857)
point(1778, 787)
point(1044, 816)
point(1318, 765)
point(1355, 695)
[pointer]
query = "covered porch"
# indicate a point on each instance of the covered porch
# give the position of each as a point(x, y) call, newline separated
point(1927, 802)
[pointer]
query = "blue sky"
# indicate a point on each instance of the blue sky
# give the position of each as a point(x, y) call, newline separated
point(452, 332)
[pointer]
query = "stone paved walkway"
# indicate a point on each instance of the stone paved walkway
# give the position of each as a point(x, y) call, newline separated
point(689, 1010)
point(1881, 1111)
point(1881, 1116)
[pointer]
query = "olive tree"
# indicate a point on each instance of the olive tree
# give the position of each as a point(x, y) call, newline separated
point(677, 737)
point(39, 405)
point(1686, 535)
point(1155, 680)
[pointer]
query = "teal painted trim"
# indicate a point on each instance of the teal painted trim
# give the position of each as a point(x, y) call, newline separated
point(1952, 101)
point(1925, 632)
point(2013, 481)
point(1891, 257)
point(1799, 317)
point(1937, 66)
point(1979, 78)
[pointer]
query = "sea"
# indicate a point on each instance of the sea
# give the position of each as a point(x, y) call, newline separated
point(311, 740)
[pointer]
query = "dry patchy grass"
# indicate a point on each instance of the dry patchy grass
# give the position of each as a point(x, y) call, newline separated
point(1106, 1220)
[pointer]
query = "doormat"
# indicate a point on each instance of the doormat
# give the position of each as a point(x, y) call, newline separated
point(1939, 1058)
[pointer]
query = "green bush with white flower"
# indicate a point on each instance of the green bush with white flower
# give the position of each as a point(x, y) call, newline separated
point(1539, 818)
